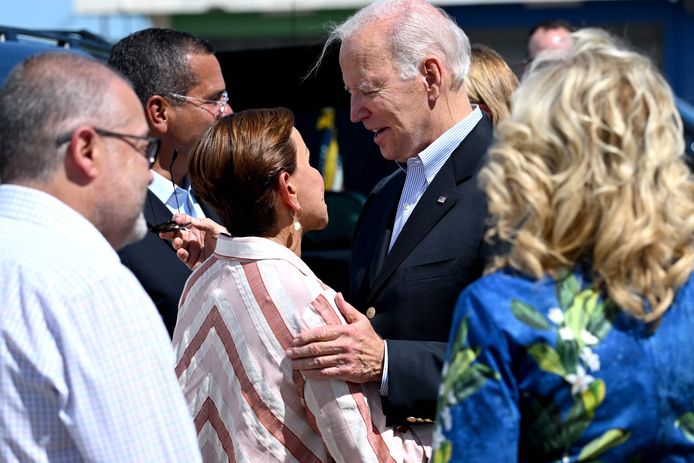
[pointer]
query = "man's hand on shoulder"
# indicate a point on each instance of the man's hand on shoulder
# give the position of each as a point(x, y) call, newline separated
point(352, 352)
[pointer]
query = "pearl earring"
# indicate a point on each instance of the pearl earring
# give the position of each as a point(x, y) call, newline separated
point(296, 224)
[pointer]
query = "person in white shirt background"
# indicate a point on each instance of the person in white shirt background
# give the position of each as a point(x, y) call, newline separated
point(85, 364)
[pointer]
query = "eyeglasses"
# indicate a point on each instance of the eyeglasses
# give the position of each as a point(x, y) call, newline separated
point(202, 103)
point(149, 150)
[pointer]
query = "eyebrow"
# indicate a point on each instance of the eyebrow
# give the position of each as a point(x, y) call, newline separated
point(364, 86)
point(213, 96)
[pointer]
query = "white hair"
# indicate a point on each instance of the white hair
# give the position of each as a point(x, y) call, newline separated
point(415, 29)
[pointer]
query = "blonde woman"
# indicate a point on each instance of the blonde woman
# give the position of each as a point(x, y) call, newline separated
point(491, 83)
point(579, 343)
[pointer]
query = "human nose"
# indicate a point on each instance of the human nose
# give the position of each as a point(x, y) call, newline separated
point(357, 110)
point(224, 110)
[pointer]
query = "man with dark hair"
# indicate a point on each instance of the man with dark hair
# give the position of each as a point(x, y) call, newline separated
point(551, 34)
point(180, 84)
point(85, 364)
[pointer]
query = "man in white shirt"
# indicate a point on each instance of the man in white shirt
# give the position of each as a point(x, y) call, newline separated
point(86, 370)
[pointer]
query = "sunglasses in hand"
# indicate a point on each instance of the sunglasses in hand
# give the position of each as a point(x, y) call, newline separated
point(169, 226)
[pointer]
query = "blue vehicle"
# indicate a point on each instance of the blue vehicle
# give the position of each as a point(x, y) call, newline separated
point(17, 44)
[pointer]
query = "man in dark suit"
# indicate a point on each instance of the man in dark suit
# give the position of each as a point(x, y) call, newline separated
point(180, 84)
point(419, 240)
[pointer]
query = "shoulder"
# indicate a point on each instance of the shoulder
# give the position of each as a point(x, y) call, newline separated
point(505, 300)
point(503, 284)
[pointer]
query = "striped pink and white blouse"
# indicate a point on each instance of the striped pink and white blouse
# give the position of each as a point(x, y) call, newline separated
point(238, 314)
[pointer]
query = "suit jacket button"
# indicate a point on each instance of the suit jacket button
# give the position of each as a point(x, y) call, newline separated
point(370, 313)
point(411, 419)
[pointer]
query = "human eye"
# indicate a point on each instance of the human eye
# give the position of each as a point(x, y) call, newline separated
point(369, 90)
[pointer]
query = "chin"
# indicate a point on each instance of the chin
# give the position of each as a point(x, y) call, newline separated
point(137, 231)
point(323, 224)
point(388, 156)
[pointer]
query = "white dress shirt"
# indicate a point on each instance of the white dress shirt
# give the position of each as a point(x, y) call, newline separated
point(86, 368)
point(426, 165)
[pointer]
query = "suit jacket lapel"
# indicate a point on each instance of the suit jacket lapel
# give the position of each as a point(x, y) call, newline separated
point(437, 200)
point(155, 211)
point(382, 240)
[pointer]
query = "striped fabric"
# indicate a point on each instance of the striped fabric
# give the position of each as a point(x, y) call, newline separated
point(238, 315)
point(422, 169)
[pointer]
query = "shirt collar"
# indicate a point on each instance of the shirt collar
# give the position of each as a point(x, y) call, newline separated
point(434, 156)
point(163, 188)
point(257, 248)
point(60, 220)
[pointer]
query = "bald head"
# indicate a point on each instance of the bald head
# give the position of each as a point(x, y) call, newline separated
point(75, 129)
point(550, 35)
point(43, 98)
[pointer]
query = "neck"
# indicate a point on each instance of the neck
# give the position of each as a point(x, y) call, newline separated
point(289, 238)
point(452, 108)
point(163, 166)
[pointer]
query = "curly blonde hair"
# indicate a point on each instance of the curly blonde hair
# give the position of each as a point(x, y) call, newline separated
point(590, 169)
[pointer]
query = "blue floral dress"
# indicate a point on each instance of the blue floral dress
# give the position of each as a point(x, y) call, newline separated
point(540, 371)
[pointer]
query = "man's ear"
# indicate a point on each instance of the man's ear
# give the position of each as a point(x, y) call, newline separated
point(432, 71)
point(157, 113)
point(82, 155)
point(287, 192)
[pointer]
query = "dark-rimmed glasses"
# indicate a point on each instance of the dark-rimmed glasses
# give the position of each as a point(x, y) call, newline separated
point(202, 103)
point(149, 150)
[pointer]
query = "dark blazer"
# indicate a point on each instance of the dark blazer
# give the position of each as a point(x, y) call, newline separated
point(154, 262)
point(413, 289)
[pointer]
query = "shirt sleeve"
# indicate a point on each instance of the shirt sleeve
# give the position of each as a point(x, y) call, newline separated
point(478, 406)
point(384, 375)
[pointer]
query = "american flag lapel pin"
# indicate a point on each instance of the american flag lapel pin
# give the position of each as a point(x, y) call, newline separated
point(441, 200)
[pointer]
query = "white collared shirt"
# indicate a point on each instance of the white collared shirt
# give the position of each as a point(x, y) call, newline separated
point(238, 315)
point(431, 159)
point(86, 366)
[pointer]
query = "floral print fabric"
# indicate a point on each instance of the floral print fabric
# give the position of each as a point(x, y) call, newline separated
point(551, 371)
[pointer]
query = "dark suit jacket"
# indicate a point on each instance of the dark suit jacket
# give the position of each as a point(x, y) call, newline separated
point(154, 262)
point(413, 289)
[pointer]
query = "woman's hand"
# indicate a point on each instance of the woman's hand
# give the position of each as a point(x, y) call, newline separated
point(196, 241)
